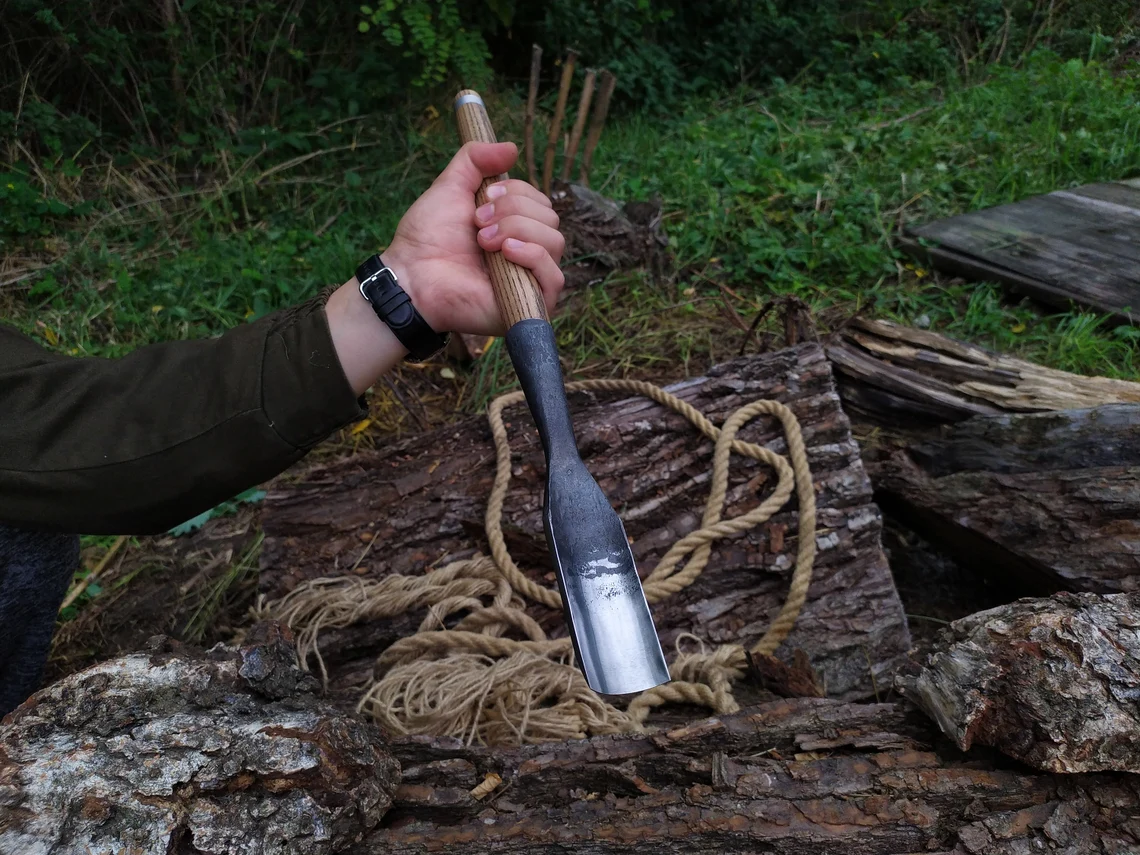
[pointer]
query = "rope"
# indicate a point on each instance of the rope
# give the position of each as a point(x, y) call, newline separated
point(476, 682)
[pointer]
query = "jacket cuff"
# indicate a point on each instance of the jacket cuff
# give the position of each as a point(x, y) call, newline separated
point(305, 394)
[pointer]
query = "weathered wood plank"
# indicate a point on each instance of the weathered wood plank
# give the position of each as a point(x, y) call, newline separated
point(422, 501)
point(1117, 192)
point(1076, 219)
point(1091, 274)
point(1076, 245)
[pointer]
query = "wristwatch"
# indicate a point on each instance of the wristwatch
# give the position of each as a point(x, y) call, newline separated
point(392, 305)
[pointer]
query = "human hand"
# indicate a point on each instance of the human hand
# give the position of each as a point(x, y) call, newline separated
point(437, 255)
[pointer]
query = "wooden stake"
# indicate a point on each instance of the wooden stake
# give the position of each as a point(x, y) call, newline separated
point(556, 122)
point(596, 124)
point(531, 98)
point(579, 124)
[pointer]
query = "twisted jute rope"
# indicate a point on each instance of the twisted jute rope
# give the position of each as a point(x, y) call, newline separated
point(494, 677)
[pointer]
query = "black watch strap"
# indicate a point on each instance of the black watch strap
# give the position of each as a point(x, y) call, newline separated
point(392, 305)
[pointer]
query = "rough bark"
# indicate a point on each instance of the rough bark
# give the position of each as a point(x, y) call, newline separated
point(1051, 497)
point(809, 777)
point(421, 502)
point(1053, 682)
point(176, 751)
point(181, 753)
point(894, 375)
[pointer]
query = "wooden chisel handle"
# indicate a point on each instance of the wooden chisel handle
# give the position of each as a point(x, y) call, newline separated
point(517, 292)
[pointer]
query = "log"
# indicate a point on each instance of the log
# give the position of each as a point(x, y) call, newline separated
point(1050, 498)
point(1028, 473)
point(893, 375)
point(228, 752)
point(173, 750)
point(421, 502)
point(804, 776)
point(1051, 682)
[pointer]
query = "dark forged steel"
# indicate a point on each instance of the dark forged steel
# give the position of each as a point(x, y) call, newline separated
point(605, 606)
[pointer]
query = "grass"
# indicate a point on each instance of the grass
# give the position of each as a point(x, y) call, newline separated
point(801, 189)
point(797, 190)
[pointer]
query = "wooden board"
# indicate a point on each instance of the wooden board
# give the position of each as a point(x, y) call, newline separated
point(1070, 246)
point(422, 502)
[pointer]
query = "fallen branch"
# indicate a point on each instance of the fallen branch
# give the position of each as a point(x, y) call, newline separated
point(81, 586)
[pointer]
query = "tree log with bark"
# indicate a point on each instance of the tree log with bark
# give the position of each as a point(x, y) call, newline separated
point(1030, 472)
point(1054, 683)
point(176, 751)
point(421, 502)
point(603, 236)
point(1051, 499)
point(797, 777)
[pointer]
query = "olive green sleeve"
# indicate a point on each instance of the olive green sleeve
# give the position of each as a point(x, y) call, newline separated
point(138, 444)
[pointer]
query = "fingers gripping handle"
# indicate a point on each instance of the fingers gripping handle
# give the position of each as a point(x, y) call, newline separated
point(517, 292)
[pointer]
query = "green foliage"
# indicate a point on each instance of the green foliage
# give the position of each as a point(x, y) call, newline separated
point(248, 497)
point(433, 37)
point(663, 50)
point(25, 210)
point(238, 164)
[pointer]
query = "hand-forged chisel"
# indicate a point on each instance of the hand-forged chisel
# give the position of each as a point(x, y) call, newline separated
point(605, 607)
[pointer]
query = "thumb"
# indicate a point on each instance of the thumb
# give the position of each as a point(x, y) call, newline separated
point(476, 161)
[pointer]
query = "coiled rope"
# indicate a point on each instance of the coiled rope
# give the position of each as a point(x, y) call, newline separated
point(476, 682)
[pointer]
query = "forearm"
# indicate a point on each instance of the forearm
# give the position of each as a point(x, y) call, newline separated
point(137, 444)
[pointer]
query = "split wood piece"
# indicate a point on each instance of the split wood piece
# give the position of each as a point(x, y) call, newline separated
point(176, 750)
point(528, 126)
point(896, 375)
point(1052, 499)
point(424, 500)
point(1051, 682)
point(1080, 245)
point(597, 123)
point(579, 124)
point(809, 777)
point(556, 120)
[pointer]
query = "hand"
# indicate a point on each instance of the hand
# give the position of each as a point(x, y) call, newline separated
point(437, 250)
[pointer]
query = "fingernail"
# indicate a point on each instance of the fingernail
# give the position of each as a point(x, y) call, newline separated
point(512, 243)
point(496, 190)
point(489, 232)
point(485, 213)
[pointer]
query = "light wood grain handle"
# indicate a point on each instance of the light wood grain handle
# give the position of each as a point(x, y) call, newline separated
point(517, 292)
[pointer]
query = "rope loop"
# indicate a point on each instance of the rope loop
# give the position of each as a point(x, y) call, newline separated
point(495, 677)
